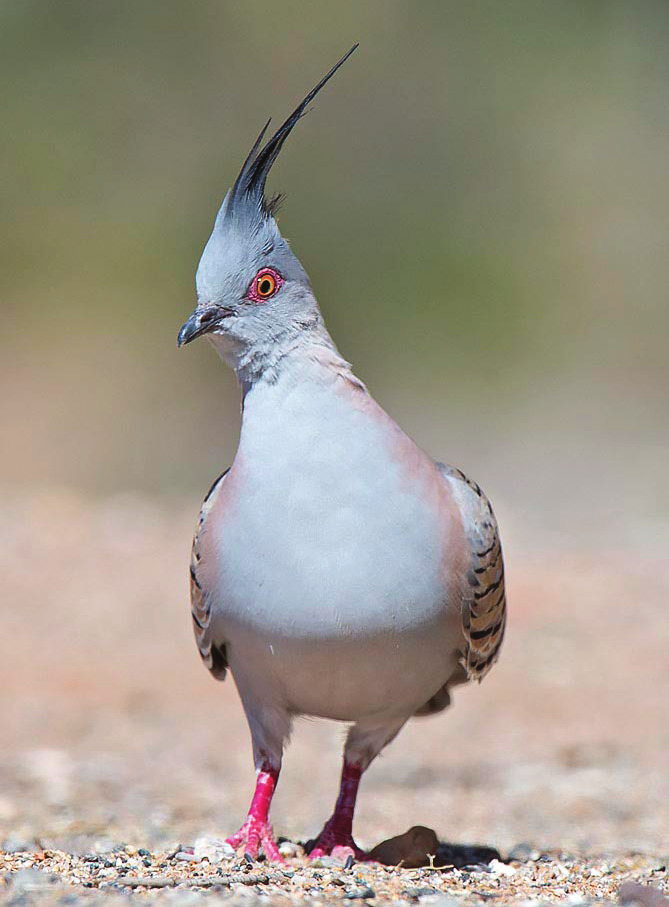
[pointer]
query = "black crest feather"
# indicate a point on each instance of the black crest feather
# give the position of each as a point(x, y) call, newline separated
point(251, 180)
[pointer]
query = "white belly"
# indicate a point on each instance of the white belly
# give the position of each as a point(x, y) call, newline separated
point(349, 679)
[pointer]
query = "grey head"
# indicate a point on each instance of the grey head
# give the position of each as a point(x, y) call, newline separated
point(252, 292)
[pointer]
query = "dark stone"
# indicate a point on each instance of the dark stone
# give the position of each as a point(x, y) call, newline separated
point(412, 849)
point(415, 893)
point(360, 894)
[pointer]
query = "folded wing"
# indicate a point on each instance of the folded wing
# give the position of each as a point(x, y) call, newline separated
point(213, 653)
point(484, 601)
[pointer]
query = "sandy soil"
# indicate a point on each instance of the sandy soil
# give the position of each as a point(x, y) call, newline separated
point(115, 738)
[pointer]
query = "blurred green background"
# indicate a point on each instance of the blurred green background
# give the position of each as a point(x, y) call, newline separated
point(480, 198)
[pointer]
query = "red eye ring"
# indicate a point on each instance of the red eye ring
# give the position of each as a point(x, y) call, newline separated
point(264, 285)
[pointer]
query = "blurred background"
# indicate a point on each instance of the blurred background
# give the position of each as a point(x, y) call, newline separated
point(481, 201)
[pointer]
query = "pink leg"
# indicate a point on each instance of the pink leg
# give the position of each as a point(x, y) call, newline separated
point(256, 831)
point(337, 833)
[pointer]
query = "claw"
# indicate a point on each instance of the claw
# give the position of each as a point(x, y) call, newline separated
point(256, 835)
point(335, 843)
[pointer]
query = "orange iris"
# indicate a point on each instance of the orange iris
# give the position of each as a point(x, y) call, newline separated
point(265, 285)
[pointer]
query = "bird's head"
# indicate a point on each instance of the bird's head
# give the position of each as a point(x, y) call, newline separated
point(251, 288)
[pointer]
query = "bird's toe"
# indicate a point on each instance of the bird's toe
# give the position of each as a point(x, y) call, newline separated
point(340, 846)
point(254, 836)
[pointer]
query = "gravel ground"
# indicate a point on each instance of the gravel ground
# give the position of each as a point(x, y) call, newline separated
point(115, 876)
point(123, 762)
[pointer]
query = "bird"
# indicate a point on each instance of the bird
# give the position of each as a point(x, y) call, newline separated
point(337, 570)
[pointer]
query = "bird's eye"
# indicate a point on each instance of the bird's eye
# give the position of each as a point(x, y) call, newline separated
point(266, 283)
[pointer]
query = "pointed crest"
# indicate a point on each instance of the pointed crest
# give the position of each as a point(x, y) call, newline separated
point(250, 183)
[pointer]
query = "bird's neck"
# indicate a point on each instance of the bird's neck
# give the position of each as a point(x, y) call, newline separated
point(305, 412)
point(294, 352)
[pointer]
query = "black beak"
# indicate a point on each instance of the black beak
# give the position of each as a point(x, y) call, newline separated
point(201, 323)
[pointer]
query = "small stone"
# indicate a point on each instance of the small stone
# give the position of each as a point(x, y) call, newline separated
point(523, 853)
point(412, 849)
point(288, 849)
point(501, 869)
point(415, 893)
point(213, 849)
point(360, 894)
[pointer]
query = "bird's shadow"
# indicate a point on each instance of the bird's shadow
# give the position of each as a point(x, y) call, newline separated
point(464, 856)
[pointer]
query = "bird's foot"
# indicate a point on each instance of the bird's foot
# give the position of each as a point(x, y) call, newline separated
point(338, 843)
point(256, 834)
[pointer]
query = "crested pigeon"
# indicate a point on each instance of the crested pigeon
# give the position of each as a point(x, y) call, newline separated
point(337, 570)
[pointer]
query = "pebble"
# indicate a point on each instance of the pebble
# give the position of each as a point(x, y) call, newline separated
point(523, 853)
point(412, 849)
point(360, 894)
point(501, 869)
point(288, 849)
point(213, 849)
point(416, 893)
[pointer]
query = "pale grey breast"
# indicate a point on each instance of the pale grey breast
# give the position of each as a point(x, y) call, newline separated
point(332, 534)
